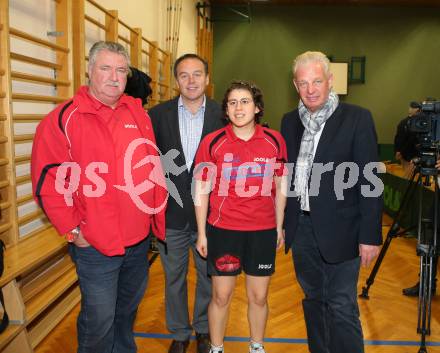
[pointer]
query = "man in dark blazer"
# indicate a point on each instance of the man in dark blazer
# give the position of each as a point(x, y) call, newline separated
point(179, 125)
point(333, 224)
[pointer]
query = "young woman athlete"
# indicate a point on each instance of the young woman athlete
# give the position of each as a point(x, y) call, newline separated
point(239, 201)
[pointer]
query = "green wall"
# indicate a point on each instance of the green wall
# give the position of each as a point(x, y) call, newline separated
point(401, 45)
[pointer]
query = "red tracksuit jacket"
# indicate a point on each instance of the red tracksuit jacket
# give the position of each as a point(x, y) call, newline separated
point(75, 132)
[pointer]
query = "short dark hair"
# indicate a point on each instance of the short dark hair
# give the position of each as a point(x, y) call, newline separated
point(415, 105)
point(190, 56)
point(257, 97)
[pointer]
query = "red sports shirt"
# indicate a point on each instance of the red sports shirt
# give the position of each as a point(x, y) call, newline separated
point(243, 192)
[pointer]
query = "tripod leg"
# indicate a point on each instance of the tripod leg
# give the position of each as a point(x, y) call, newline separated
point(425, 296)
point(392, 233)
point(423, 349)
point(428, 259)
point(370, 279)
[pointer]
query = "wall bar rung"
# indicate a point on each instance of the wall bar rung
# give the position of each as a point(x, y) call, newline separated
point(95, 22)
point(35, 78)
point(28, 117)
point(101, 8)
point(149, 42)
point(24, 199)
point(124, 39)
point(5, 205)
point(24, 138)
point(16, 32)
point(127, 26)
point(22, 159)
point(30, 217)
point(23, 179)
point(31, 60)
point(5, 227)
point(37, 98)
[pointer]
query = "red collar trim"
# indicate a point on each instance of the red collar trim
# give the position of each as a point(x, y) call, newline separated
point(258, 133)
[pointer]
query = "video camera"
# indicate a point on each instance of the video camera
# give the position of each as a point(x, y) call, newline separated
point(426, 126)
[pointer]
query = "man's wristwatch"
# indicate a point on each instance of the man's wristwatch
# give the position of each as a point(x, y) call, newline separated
point(72, 235)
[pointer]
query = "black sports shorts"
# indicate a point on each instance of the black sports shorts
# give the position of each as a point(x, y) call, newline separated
point(231, 251)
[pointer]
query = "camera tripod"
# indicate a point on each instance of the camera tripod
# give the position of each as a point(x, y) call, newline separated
point(426, 247)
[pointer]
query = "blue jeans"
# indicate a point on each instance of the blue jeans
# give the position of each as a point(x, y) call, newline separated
point(330, 305)
point(111, 290)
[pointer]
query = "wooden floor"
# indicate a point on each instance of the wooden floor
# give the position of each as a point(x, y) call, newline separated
point(389, 319)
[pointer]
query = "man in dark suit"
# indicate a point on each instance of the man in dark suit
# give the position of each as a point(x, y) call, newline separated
point(405, 141)
point(179, 126)
point(334, 223)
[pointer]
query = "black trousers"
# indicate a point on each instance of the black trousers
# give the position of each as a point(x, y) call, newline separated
point(330, 305)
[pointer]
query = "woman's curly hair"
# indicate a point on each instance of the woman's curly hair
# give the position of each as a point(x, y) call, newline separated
point(257, 97)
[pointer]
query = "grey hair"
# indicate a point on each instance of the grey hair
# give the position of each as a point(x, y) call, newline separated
point(110, 46)
point(311, 56)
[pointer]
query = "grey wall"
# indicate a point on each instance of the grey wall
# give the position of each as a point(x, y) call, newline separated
point(401, 45)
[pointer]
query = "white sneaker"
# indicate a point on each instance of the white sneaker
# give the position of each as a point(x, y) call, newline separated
point(256, 348)
point(215, 349)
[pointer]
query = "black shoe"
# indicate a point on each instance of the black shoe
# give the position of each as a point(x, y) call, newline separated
point(414, 290)
point(178, 346)
point(203, 343)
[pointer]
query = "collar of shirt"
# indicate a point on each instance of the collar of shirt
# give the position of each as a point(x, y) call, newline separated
point(259, 133)
point(90, 104)
point(181, 105)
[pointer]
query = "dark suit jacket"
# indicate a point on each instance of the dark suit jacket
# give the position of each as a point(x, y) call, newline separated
point(339, 225)
point(165, 120)
point(405, 140)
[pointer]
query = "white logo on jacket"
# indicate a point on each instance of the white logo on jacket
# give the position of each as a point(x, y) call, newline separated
point(262, 159)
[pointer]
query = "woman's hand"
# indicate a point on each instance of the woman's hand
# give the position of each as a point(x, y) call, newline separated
point(202, 245)
point(280, 238)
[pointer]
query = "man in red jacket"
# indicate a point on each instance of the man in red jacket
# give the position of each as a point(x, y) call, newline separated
point(96, 174)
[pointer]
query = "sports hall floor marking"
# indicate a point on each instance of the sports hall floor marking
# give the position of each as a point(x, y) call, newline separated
point(293, 340)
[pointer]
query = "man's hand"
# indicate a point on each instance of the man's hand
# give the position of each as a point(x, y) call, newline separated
point(368, 253)
point(437, 165)
point(81, 242)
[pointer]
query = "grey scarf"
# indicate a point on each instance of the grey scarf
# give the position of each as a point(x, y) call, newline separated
point(312, 124)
